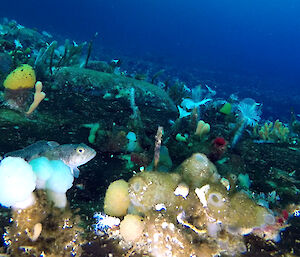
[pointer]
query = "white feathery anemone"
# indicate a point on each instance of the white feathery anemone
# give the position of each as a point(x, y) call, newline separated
point(249, 112)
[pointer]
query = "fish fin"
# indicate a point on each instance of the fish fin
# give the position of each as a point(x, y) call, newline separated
point(75, 172)
point(52, 144)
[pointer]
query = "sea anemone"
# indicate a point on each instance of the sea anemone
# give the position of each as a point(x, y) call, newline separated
point(248, 112)
point(248, 115)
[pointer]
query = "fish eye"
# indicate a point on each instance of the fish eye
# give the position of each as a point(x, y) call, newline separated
point(80, 150)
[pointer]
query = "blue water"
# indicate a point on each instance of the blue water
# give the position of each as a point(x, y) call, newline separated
point(253, 39)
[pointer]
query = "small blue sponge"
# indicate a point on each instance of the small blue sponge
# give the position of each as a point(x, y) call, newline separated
point(52, 175)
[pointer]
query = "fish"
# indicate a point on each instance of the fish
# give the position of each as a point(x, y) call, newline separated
point(73, 155)
point(33, 151)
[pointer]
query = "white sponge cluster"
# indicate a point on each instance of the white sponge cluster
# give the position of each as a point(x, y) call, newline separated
point(55, 177)
point(17, 182)
point(18, 179)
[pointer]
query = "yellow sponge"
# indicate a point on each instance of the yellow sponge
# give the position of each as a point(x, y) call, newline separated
point(20, 78)
point(116, 200)
point(131, 227)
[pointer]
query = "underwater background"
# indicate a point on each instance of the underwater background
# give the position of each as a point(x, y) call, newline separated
point(256, 41)
point(182, 116)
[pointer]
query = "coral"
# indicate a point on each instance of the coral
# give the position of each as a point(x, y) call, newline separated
point(276, 132)
point(264, 131)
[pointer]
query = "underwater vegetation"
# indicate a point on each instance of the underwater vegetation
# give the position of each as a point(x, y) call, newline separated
point(179, 170)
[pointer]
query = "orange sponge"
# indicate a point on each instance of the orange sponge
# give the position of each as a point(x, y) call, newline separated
point(21, 78)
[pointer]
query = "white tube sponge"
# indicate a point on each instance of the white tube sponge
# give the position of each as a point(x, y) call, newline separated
point(42, 169)
point(61, 178)
point(60, 181)
point(55, 177)
point(17, 182)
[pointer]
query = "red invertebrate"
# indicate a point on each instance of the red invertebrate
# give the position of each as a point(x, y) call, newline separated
point(218, 147)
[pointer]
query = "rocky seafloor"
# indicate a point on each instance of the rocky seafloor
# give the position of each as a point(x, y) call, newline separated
point(79, 95)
